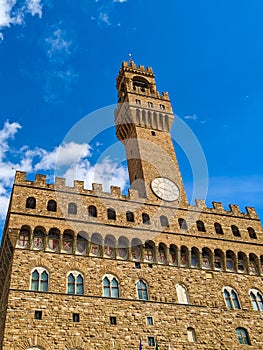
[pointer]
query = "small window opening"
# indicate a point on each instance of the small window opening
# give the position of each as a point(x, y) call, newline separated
point(149, 320)
point(153, 133)
point(75, 317)
point(38, 315)
point(137, 265)
point(113, 320)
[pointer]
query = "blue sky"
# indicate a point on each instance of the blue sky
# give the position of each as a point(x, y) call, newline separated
point(59, 61)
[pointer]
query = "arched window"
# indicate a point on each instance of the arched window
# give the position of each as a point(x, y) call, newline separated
point(235, 231)
point(75, 283)
point(24, 237)
point(164, 221)
point(191, 335)
point(194, 257)
point(149, 251)
point(31, 203)
point(231, 298)
point(219, 258)
point(122, 251)
point(242, 263)
point(129, 216)
point(142, 290)
point(206, 258)
point(82, 243)
point(52, 205)
point(184, 256)
point(92, 210)
point(109, 246)
point(110, 287)
point(242, 336)
point(182, 224)
point(96, 244)
point(182, 294)
point(39, 280)
point(111, 214)
point(218, 228)
point(253, 264)
point(173, 254)
point(72, 208)
point(162, 253)
point(53, 239)
point(200, 226)
point(67, 242)
point(230, 261)
point(256, 299)
point(252, 233)
point(146, 219)
point(38, 238)
point(136, 249)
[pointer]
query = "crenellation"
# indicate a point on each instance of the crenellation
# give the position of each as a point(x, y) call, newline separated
point(235, 210)
point(60, 183)
point(97, 188)
point(79, 186)
point(218, 206)
point(41, 180)
point(251, 212)
point(115, 191)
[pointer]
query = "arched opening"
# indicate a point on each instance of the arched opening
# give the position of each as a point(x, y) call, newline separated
point(67, 241)
point(92, 211)
point(52, 205)
point(182, 224)
point(109, 246)
point(218, 228)
point(96, 244)
point(53, 239)
point(39, 238)
point(219, 259)
point(206, 258)
point(31, 203)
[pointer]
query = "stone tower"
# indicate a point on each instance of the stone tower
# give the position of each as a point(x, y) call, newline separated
point(143, 122)
point(84, 269)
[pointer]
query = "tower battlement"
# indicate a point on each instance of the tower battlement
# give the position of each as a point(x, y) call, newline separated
point(115, 192)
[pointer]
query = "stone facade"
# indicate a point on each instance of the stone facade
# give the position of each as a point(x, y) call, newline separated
point(187, 256)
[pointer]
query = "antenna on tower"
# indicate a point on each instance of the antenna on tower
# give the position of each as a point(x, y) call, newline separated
point(130, 58)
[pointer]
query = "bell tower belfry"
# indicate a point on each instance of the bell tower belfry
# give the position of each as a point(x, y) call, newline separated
point(143, 119)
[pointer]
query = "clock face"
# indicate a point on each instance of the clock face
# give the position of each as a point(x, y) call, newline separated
point(165, 189)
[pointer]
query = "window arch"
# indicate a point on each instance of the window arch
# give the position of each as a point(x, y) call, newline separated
point(230, 261)
point(109, 246)
point(92, 210)
point(129, 216)
point(110, 286)
point(242, 336)
point(164, 221)
point(184, 256)
point(146, 219)
point(182, 294)
point(173, 254)
point(191, 335)
point(231, 298)
point(182, 224)
point(149, 251)
point(31, 203)
point(82, 243)
point(256, 299)
point(111, 214)
point(39, 280)
point(142, 290)
point(162, 253)
point(242, 263)
point(96, 244)
point(39, 238)
point(218, 228)
point(252, 233)
point(235, 231)
point(53, 239)
point(200, 226)
point(67, 242)
point(136, 249)
point(52, 205)
point(72, 208)
point(219, 259)
point(206, 258)
point(75, 283)
point(24, 237)
point(194, 257)
point(253, 264)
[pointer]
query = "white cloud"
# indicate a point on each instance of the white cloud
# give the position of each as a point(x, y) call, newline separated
point(58, 45)
point(104, 17)
point(34, 7)
point(70, 160)
point(14, 11)
point(191, 117)
point(120, 1)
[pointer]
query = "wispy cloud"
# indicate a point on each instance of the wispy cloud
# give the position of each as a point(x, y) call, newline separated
point(106, 12)
point(191, 117)
point(59, 74)
point(13, 12)
point(70, 160)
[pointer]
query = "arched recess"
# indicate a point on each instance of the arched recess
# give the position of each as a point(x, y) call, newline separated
point(230, 260)
point(39, 238)
point(173, 255)
point(149, 251)
point(53, 239)
point(218, 259)
point(253, 264)
point(195, 257)
point(24, 237)
point(123, 248)
point(109, 246)
point(136, 249)
point(184, 256)
point(206, 258)
point(67, 241)
point(242, 262)
point(182, 294)
point(162, 253)
point(96, 244)
point(82, 243)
